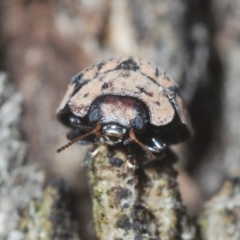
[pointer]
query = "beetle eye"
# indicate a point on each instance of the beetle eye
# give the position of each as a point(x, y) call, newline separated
point(94, 115)
point(138, 122)
point(74, 121)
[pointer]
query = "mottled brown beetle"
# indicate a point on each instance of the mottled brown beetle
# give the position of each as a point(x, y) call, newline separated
point(125, 100)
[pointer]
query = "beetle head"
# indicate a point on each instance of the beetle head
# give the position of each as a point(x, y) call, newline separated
point(113, 133)
point(113, 119)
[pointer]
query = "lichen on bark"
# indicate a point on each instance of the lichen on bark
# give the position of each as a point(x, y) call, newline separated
point(220, 218)
point(118, 213)
point(49, 217)
point(162, 198)
point(136, 203)
point(30, 208)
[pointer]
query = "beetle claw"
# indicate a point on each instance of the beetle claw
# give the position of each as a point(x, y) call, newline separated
point(93, 151)
point(157, 146)
point(131, 162)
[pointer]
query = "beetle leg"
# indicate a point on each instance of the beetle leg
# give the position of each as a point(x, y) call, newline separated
point(131, 159)
point(131, 164)
point(157, 146)
point(93, 151)
point(84, 128)
point(134, 138)
point(127, 141)
point(76, 123)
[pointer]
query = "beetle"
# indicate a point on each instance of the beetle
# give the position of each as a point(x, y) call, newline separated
point(124, 100)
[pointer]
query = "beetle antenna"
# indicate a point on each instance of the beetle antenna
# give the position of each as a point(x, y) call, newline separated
point(134, 138)
point(95, 130)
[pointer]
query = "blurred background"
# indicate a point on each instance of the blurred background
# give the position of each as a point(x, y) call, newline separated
point(44, 43)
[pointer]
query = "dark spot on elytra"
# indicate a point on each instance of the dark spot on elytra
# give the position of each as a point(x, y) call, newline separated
point(124, 74)
point(100, 65)
point(158, 103)
point(129, 64)
point(124, 222)
point(142, 90)
point(105, 86)
point(76, 79)
point(86, 95)
point(78, 86)
point(116, 162)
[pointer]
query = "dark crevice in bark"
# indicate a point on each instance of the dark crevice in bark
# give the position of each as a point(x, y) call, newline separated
point(205, 105)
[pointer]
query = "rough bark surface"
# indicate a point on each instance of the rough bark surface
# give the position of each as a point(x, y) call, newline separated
point(118, 212)
point(22, 185)
point(220, 218)
point(161, 197)
point(131, 203)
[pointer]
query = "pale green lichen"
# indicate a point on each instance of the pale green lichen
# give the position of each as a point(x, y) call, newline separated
point(49, 218)
point(35, 223)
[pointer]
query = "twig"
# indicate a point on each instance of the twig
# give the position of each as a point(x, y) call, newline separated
point(130, 204)
point(118, 213)
point(162, 198)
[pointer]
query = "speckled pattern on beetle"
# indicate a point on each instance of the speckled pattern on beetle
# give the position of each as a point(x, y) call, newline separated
point(125, 100)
